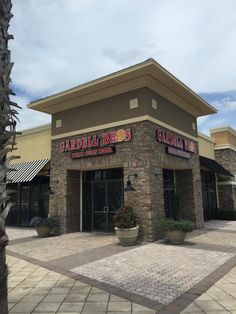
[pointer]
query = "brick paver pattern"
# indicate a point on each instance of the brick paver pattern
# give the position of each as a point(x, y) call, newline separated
point(155, 271)
point(34, 289)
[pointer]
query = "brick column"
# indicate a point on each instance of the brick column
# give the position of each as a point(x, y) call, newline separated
point(227, 185)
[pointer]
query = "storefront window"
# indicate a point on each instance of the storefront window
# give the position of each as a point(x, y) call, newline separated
point(31, 199)
point(170, 197)
point(24, 204)
point(208, 194)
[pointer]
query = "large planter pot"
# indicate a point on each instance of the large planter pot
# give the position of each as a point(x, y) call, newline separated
point(176, 236)
point(43, 231)
point(127, 236)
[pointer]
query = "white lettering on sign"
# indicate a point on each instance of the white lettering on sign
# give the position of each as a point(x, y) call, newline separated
point(177, 152)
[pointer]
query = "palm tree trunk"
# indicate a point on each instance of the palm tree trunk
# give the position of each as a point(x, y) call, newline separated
point(8, 117)
point(3, 283)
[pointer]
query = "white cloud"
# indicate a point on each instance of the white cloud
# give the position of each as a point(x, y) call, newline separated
point(29, 118)
point(61, 43)
point(226, 104)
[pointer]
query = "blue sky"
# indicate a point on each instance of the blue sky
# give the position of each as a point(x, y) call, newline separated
point(62, 43)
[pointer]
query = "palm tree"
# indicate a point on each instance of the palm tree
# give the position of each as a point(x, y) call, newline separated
point(8, 118)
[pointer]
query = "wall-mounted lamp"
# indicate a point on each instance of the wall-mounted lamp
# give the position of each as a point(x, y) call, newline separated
point(129, 187)
point(49, 191)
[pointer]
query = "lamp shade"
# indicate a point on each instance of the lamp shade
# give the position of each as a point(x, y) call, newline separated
point(129, 187)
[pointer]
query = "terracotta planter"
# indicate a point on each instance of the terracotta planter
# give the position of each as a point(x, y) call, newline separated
point(43, 231)
point(176, 236)
point(127, 236)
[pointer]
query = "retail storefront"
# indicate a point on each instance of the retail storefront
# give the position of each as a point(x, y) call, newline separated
point(29, 178)
point(129, 138)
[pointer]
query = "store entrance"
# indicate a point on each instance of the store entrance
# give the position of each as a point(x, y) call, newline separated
point(209, 201)
point(102, 196)
point(170, 198)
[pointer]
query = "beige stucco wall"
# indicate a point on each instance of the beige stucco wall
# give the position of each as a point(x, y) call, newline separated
point(33, 144)
point(206, 146)
point(224, 136)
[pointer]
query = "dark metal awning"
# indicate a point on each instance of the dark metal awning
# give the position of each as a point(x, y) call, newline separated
point(25, 171)
point(214, 166)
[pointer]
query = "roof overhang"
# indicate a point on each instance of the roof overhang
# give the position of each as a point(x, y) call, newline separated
point(146, 74)
point(214, 166)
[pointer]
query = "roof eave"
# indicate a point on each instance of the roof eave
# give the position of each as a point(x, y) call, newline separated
point(148, 67)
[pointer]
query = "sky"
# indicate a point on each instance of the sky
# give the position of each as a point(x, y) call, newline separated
point(62, 43)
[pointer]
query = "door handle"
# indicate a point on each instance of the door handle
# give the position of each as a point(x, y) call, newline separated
point(105, 209)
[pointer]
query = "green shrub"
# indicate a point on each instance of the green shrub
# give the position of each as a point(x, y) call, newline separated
point(226, 214)
point(42, 222)
point(125, 218)
point(167, 224)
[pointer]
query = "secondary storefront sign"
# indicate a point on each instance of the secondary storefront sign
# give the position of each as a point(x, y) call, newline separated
point(95, 145)
point(177, 146)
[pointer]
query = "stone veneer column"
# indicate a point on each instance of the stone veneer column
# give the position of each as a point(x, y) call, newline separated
point(73, 201)
point(227, 185)
point(188, 189)
point(197, 194)
point(57, 201)
point(147, 200)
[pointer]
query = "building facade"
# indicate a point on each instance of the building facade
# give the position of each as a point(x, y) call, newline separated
point(127, 139)
point(137, 125)
point(29, 178)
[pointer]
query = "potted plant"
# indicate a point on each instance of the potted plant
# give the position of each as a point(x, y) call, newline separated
point(43, 225)
point(176, 229)
point(126, 226)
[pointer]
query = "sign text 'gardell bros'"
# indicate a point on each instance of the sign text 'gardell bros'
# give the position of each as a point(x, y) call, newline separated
point(87, 146)
point(177, 145)
point(96, 145)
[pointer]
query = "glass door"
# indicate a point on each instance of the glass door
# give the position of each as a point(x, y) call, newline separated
point(102, 196)
point(99, 206)
point(107, 198)
point(170, 200)
point(115, 201)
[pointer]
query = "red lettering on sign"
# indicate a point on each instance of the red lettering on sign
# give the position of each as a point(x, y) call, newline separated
point(128, 134)
point(106, 139)
point(67, 146)
point(79, 143)
point(113, 139)
point(85, 142)
point(62, 146)
point(73, 144)
point(174, 140)
point(95, 140)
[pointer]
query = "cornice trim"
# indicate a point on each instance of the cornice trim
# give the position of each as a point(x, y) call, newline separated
point(225, 146)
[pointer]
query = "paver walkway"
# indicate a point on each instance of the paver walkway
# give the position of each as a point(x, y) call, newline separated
point(34, 289)
point(158, 276)
point(220, 298)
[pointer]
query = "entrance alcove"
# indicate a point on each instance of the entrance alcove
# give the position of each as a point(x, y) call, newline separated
point(73, 201)
point(102, 195)
point(185, 192)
